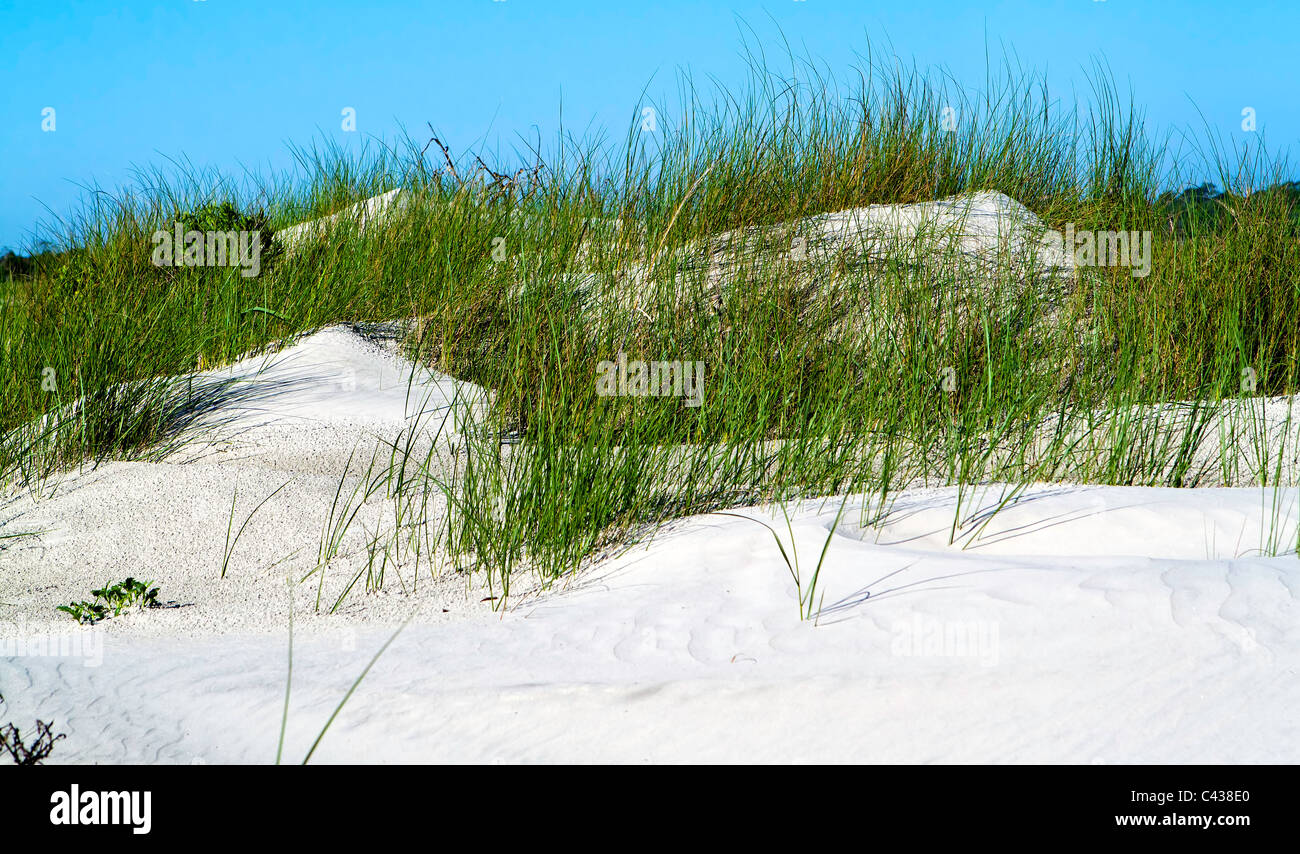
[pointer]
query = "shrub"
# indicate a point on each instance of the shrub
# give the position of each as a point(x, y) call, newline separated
point(224, 216)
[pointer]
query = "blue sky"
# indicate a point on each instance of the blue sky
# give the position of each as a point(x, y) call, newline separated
point(229, 83)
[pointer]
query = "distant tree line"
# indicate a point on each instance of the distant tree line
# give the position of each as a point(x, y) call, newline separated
point(1205, 208)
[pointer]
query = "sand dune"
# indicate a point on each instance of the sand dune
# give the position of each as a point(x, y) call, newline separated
point(1055, 624)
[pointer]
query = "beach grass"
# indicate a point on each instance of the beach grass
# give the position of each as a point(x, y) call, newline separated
point(822, 375)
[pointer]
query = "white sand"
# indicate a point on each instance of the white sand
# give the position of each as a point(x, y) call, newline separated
point(1082, 624)
point(296, 417)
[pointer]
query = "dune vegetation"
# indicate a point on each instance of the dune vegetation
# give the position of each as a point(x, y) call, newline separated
point(524, 276)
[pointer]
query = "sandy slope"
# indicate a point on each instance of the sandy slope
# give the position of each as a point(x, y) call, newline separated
point(294, 419)
point(1077, 624)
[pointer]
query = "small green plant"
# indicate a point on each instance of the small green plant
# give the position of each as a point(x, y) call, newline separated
point(116, 598)
point(22, 752)
point(87, 613)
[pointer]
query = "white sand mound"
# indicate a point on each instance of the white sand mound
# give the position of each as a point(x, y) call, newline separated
point(292, 421)
point(1077, 624)
point(985, 241)
point(986, 228)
